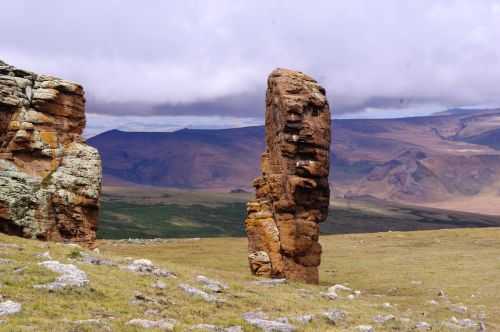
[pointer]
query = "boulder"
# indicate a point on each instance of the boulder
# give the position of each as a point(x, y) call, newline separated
point(145, 266)
point(50, 179)
point(9, 308)
point(260, 320)
point(292, 194)
point(211, 284)
point(69, 276)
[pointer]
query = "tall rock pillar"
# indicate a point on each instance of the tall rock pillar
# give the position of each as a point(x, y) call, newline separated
point(292, 194)
point(50, 180)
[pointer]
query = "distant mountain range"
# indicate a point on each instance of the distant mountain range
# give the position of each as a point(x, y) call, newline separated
point(450, 160)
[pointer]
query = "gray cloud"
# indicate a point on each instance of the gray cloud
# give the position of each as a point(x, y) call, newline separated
point(212, 57)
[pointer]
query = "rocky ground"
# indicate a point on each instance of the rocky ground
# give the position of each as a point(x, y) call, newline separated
point(415, 281)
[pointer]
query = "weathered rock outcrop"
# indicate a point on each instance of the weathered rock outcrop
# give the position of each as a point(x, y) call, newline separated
point(50, 180)
point(293, 194)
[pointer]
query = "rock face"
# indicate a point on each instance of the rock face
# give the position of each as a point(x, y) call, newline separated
point(293, 194)
point(50, 180)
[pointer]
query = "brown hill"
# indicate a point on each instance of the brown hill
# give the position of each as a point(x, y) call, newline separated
point(445, 160)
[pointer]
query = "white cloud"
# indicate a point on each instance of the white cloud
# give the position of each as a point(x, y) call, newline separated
point(444, 52)
point(393, 112)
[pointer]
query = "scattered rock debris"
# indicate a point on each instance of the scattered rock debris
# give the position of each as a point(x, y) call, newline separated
point(304, 319)
point(457, 324)
point(163, 324)
point(333, 292)
point(145, 266)
point(365, 328)
point(423, 326)
point(139, 298)
point(154, 241)
point(214, 328)
point(270, 282)
point(4, 261)
point(381, 319)
point(335, 316)
point(195, 292)
point(458, 308)
point(159, 284)
point(89, 259)
point(211, 284)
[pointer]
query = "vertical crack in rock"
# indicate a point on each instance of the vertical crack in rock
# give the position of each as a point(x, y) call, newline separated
point(293, 194)
point(50, 180)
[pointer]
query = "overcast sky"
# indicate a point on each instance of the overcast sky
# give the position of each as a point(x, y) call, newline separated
point(205, 63)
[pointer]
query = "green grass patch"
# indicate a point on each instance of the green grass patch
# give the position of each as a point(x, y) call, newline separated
point(142, 217)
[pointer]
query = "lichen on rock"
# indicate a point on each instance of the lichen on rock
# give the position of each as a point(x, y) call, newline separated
point(293, 194)
point(50, 179)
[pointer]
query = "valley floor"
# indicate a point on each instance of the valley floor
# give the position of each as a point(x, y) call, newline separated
point(148, 212)
point(399, 274)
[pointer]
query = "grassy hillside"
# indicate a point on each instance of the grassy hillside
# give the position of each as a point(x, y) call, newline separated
point(406, 270)
point(154, 212)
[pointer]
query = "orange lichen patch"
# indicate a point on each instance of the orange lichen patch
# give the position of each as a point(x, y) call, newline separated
point(14, 125)
point(49, 138)
point(54, 164)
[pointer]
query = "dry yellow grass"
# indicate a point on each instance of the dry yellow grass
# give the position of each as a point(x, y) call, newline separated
point(404, 269)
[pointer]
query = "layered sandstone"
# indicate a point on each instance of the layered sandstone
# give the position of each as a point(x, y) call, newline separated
point(292, 195)
point(50, 180)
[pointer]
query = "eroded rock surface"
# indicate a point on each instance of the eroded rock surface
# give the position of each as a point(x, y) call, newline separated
point(50, 180)
point(293, 194)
